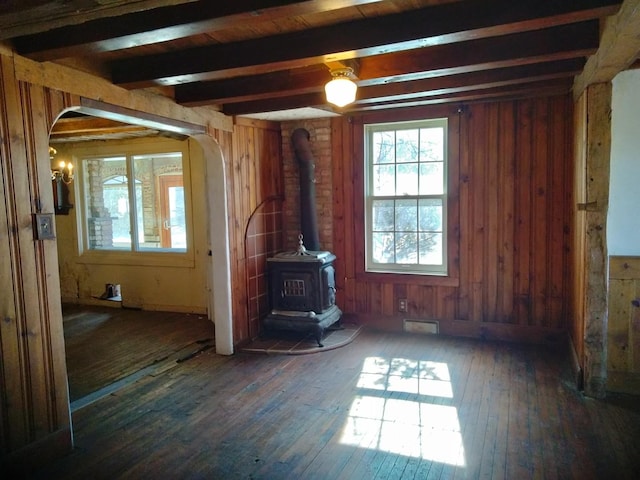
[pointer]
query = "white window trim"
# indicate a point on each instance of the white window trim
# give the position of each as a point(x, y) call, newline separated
point(156, 257)
point(396, 268)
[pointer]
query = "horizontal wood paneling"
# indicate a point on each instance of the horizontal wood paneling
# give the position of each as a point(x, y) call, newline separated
point(510, 210)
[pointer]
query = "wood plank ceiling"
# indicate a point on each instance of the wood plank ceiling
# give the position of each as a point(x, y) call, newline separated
point(247, 56)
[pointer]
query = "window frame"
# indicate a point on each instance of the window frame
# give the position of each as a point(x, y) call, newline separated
point(369, 197)
point(129, 149)
point(456, 182)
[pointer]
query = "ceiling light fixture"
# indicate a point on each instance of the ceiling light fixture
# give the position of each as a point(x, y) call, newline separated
point(341, 90)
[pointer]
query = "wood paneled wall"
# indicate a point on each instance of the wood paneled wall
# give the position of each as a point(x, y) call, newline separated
point(254, 174)
point(34, 404)
point(510, 223)
point(623, 336)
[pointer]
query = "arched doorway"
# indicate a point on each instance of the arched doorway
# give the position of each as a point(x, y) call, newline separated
point(218, 276)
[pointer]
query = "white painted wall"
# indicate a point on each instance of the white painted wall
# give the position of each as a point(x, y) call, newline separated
point(623, 222)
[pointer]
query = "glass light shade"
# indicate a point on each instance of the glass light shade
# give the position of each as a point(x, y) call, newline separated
point(340, 91)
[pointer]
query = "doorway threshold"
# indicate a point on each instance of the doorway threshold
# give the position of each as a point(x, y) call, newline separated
point(155, 368)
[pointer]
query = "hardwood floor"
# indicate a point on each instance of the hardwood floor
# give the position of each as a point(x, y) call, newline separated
point(385, 406)
point(107, 345)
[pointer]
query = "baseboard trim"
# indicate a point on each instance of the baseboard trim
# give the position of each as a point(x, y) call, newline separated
point(193, 309)
point(464, 328)
point(623, 382)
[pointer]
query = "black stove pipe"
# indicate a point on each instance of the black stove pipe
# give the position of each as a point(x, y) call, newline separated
point(308, 212)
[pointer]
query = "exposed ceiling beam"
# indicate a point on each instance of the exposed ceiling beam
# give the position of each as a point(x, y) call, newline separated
point(285, 84)
point(557, 86)
point(35, 16)
point(532, 89)
point(619, 47)
point(558, 43)
point(414, 29)
point(408, 52)
point(254, 87)
point(485, 79)
point(166, 24)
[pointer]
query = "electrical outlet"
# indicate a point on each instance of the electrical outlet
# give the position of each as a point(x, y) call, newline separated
point(402, 305)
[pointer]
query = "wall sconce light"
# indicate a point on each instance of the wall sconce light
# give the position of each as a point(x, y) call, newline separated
point(65, 172)
point(341, 90)
point(61, 179)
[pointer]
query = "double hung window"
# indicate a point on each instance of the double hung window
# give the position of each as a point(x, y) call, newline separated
point(406, 197)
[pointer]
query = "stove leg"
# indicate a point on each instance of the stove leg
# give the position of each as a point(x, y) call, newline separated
point(319, 333)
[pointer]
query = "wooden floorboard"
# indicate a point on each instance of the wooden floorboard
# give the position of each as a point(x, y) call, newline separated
point(104, 345)
point(386, 406)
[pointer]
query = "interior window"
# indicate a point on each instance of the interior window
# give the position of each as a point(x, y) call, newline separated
point(135, 202)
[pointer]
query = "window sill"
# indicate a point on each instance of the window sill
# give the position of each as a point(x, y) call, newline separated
point(150, 259)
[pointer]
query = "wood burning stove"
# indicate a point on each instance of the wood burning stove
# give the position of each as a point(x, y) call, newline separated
point(302, 291)
point(302, 286)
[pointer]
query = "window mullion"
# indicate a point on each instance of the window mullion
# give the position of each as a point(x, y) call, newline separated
point(133, 210)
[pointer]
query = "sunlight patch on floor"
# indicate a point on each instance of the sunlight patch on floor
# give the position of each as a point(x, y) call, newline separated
point(402, 409)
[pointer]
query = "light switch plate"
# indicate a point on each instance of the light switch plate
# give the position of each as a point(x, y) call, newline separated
point(43, 226)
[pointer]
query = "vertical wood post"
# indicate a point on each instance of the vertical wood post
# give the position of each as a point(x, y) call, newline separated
point(598, 151)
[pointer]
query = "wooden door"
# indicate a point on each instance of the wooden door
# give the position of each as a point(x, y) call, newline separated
point(172, 210)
